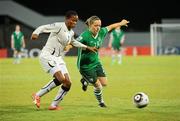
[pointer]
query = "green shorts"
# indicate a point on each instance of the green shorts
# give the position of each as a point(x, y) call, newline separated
point(18, 49)
point(92, 75)
point(117, 47)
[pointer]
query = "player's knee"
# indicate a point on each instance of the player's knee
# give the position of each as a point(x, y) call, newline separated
point(104, 84)
point(67, 83)
point(57, 82)
point(98, 87)
point(65, 88)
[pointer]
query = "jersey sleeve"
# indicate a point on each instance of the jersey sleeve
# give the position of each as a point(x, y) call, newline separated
point(104, 30)
point(47, 28)
point(77, 42)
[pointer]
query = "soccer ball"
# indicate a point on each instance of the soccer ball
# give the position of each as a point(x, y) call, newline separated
point(140, 100)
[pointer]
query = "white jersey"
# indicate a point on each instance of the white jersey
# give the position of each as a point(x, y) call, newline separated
point(58, 39)
point(51, 57)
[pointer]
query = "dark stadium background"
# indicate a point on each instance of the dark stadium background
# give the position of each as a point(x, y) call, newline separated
point(141, 13)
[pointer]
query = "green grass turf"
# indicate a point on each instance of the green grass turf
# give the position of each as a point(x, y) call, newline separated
point(158, 77)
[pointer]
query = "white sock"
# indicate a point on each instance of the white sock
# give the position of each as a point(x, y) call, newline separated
point(60, 95)
point(48, 87)
point(113, 59)
point(15, 58)
point(18, 58)
point(119, 59)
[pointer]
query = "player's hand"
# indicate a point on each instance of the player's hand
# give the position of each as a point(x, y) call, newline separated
point(68, 47)
point(93, 49)
point(124, 22)
point(34, 36)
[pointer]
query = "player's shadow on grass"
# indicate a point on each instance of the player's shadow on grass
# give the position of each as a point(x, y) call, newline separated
point(81, 105)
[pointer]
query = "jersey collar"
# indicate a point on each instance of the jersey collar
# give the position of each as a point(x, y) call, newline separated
point(92, 34)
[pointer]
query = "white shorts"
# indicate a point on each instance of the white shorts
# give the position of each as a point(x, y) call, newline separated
point(52, 64)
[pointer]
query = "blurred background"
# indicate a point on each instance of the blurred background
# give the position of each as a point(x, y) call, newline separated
point(153, 30)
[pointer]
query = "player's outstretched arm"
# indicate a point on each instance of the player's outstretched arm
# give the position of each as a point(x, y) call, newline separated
point(55, 27)
point(124, 22)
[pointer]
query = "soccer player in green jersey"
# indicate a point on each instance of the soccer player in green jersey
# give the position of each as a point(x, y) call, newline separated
point(116, 41)
point(88, 62)
point(17, 44)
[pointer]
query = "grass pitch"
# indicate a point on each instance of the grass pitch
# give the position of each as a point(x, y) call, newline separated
point(158, 77)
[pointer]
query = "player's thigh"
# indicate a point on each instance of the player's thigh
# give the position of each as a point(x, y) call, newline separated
point(59, 76)
point(103, 81)
point(63, 78)
point(61, 73)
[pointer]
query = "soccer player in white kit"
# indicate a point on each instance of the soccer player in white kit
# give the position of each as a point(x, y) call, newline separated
point(51, 57)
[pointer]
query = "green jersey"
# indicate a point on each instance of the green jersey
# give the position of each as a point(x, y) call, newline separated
point(87, 60)
point(117, 38)
point(17, 40)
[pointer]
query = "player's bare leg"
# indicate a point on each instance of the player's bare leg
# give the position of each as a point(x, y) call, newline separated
point(103, 81)
point(65, 80)
point(119, 55)
point(15, 56)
